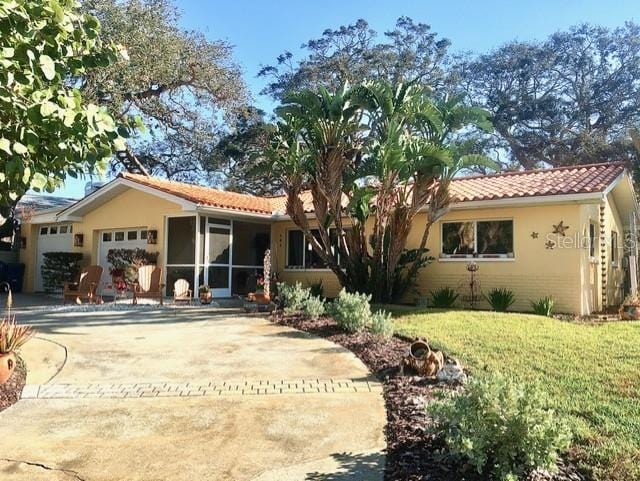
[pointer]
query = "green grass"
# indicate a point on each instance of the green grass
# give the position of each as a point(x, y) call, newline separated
point(592, 373)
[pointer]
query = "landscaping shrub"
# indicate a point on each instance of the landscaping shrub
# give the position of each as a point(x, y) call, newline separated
point(381, 324)
point(500, 299)
point(351, 311)
point(60, 267)
point(313, 307)
point(292, 296)
point(501, 427)
point(317, 289)
point(443, 298)
point(543, 306)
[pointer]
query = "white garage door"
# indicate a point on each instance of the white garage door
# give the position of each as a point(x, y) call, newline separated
point(130, 238)
point(51, 238)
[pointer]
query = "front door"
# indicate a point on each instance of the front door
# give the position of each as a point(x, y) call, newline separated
point(217, 259)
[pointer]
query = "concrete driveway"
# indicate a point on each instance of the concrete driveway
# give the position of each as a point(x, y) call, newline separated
point(189, 395)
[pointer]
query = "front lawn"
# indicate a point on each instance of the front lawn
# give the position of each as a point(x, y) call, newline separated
point(591, 372)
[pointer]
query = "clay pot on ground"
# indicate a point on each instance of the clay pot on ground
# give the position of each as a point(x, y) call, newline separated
point(7, 365)
point(206, 297)
point(630, 312)
point(259, 297)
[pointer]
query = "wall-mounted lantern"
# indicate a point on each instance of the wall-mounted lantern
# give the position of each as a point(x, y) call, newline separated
point(152, 236)
point(23, 242)
point(78, 240)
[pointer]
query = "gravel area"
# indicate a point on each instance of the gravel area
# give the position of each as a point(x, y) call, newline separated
point(413, 453)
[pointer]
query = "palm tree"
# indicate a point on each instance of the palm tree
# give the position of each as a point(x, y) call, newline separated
point(375, 154)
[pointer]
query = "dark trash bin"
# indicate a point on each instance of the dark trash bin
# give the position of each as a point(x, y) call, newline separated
point(15, 276)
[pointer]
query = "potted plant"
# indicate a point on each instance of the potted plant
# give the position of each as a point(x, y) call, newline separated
point(205, 294)
point(630, 309)
point(12, 338)
point(260, 285)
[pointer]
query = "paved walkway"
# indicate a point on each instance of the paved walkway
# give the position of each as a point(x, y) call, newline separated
point(188, 389)
point(189, 395)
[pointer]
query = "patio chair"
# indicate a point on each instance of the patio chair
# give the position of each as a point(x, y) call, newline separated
point(181, 292)
point(149, 284)
point(85, 288)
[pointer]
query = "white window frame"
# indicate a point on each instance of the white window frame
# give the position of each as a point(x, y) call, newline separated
point(476, 257)
point(57, 227)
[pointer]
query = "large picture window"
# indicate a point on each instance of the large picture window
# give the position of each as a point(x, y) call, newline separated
point(483, 239)
point(300, 253)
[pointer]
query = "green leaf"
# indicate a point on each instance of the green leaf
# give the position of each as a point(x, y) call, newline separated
point(38, 181)
point(19, 149)
point(48, 67)
point(5, 145)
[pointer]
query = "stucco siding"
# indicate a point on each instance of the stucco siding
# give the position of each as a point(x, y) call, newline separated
point(535, 271)
point(131, 209)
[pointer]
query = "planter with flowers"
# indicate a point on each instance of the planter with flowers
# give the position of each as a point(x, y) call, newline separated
point(630, 309)
point(206, 296)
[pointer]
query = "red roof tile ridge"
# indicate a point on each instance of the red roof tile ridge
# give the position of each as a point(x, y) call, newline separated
point(511, 173)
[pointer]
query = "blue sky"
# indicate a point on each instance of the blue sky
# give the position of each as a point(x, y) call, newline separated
point(261, 30)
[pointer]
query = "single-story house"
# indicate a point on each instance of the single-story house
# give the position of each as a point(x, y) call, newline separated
point(561, 232)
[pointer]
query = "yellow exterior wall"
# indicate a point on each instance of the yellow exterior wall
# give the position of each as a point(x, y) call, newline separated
point(592, 271)
point(132, 208)
point(534, 272)
point(28, 255)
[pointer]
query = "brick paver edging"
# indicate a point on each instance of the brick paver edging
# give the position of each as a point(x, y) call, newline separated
point(198, 389)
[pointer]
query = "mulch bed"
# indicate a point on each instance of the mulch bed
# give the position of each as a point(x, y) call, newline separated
point(413, 453)
point(11, 390)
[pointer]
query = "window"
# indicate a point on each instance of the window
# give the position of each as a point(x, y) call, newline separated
point(106, 237)
point(132, 235)
point(53, 230)
point(63, 229)
point(119, 236)
point(143, 235)
point(300, 253)
point(484, 239)
point(44, 230)
point(592, 240)
point(295, 249)
point(614, 247)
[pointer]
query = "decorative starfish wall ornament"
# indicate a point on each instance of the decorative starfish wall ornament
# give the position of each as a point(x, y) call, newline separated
point(560, 228)
point(534, 235)
point(549, 244)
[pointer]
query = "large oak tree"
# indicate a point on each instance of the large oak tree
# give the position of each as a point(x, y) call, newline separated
point(569, 99)
point(186, 88)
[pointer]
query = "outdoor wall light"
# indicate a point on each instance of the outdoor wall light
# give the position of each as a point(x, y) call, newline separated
point(152, 237)
point(78, 240)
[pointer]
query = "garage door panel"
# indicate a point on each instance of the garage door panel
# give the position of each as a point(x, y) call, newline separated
point(51, 238)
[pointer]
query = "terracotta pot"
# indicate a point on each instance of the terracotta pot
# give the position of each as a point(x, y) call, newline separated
point(205, 298)
point(630, 313)
point(7, 365)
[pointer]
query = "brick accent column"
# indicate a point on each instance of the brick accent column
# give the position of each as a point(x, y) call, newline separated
point(603, 256)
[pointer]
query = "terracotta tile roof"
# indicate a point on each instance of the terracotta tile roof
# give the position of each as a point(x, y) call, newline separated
point(205, 195)
point(579, 179)
point(582, 179)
